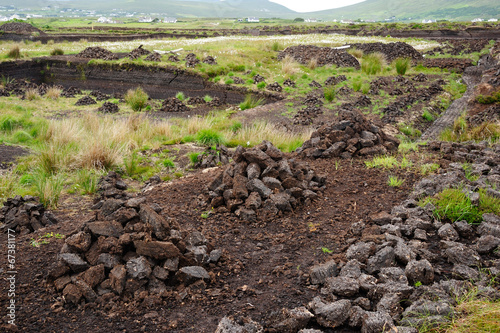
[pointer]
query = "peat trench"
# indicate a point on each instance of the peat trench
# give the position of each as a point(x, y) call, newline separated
point(158, 82)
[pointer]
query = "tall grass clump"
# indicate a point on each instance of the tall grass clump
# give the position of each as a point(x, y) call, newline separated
point(402, 65)
point(251, 102)
point(462, 131)
point(251, 135)
point(137, 99)
point(329, 93)
point(209, 137)
point(32, 94)
point(276, 46)
point(356, 53)
point(14, 52)
point(48, 188)
point(289, 66)
point(372, 63)
point(53, 93)
point(312, 64)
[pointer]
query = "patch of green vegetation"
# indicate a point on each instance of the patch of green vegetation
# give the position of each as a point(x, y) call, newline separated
point(402, 65)
point(372, 63)
point(209, 137)
point(428, 116)
point(455, 205)
point(489, 99)
point(251, 102)
point(409, 131)
point(428, 168)
point(394, 181)
point(461, 131)
point(329, 93)
point(180, 96)
point(137, 99)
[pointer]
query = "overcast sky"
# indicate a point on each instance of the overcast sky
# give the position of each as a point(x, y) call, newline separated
point(304, 6)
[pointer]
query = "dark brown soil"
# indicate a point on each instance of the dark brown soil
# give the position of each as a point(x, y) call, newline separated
point(9, 155)
point(264, 267)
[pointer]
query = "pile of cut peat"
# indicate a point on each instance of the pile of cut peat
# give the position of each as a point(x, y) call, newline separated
point(20, 28)
point(352, 136)
point(25, 215)
point(323, 55)
point(213, 157)
point(391, 51)
point(97, 52)
point(129, 251)
point(455, 64)
point(263, 182)
point(138, 52)
point(173, 104)
point(404, 269)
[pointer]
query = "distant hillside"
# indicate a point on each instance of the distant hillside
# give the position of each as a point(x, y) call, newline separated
point(378, 10)
point(177, 8)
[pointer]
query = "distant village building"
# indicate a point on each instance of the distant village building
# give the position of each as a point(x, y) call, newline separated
point(170, 20)
point(493, 20)
point(145, 19)
point(311, 20)
point(103, 19)
point(477, 20)
point(346, 21)
point(428, 21)
point(253, 20)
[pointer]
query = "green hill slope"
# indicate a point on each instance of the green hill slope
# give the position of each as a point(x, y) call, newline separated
point(416, 10)
point(179, 8)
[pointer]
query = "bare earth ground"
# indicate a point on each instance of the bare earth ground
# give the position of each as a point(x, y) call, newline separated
point(264, 267)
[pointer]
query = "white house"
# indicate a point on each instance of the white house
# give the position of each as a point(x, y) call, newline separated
point(311, 20)
point(145, 19)
point(477, 20)
point(253, 20)
point(170, 20)
point(428, 21)
point(493, 20)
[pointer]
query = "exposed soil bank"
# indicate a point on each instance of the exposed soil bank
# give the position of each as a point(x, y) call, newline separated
point(158, 82)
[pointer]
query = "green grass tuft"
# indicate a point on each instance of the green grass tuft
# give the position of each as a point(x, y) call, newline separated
point(372, 63)
point(137, 99)
point(209, 137)
point(402, 65)
point(251, 102)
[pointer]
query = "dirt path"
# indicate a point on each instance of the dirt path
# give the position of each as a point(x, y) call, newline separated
point(471, 77)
